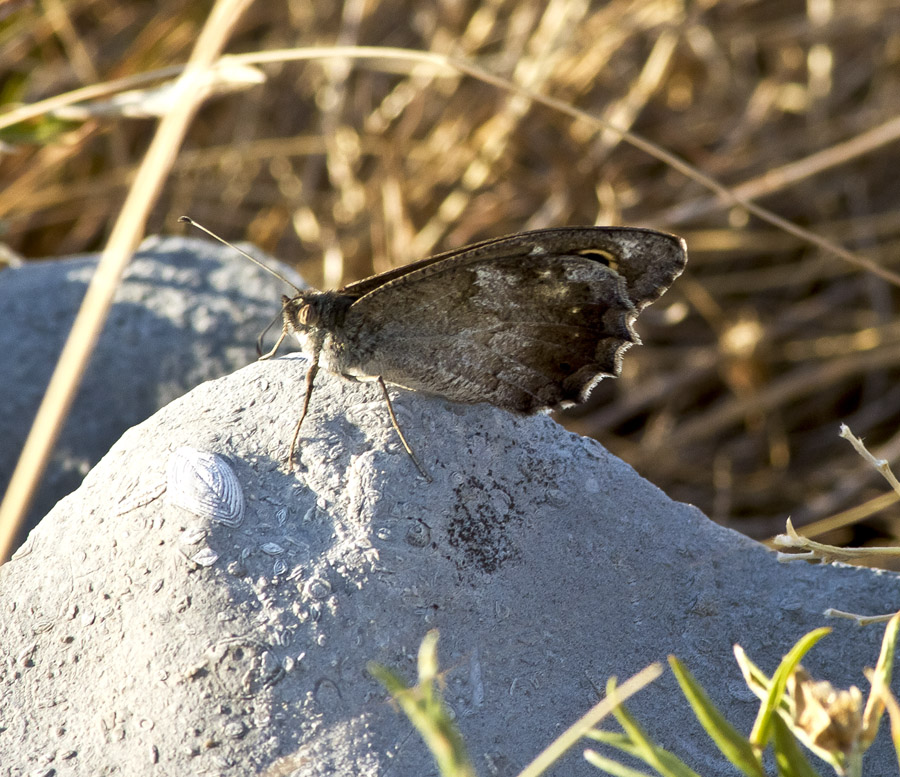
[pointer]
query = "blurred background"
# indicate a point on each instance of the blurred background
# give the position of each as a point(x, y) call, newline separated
point(750, 362)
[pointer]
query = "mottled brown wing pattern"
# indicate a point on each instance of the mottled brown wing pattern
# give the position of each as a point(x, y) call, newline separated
point(522, 332)
point(648, 260)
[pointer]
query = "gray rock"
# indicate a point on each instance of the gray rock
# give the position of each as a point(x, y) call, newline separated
point(140, 637)
point(187, 311)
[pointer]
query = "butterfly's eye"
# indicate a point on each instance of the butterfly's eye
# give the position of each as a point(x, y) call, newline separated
point(299, 312)
point(307, 315)
point(599, 255)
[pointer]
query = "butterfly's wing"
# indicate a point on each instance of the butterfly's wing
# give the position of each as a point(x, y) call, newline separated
point(648, 260)
point(524, 322)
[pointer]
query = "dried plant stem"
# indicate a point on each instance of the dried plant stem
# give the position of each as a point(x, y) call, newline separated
point(849, 517)
point(859, 620)
point(882, 465)
point(454, 66)
point(819, 551)
point(125, 236)
point(782, 177)
point(812, 550)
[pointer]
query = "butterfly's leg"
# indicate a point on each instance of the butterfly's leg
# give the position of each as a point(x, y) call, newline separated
point(400, 433)
point(310, 377)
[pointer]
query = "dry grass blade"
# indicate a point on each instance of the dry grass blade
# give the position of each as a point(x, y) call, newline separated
point(782, 177)
point(127, 232)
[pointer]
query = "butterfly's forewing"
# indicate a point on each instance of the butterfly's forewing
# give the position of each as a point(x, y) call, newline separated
point(649, 260)
point(524, 322)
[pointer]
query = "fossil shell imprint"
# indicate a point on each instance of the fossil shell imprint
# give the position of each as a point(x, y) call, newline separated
point(205, 485)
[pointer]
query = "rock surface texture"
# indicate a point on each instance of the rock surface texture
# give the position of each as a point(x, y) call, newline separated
point(155, 623)
point(186, 614)
point(187, 311)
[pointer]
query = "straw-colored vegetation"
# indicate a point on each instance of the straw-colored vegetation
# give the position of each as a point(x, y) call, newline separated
point(753, 359)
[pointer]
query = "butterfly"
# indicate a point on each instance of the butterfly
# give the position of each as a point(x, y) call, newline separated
point(525, 322)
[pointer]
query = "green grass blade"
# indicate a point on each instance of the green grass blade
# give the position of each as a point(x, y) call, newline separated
point(641, 746)
point(893, 709)
point(735, 747)
point(613, 738)
point(757, 680)
point(669, 762)
point(612, 767)
point(762, 728)
point(789, 758)
point(425, 708)
point(555, 750)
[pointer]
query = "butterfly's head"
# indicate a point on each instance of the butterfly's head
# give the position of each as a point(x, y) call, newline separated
point(301, 317)
point(300, 313)
point(311, 315)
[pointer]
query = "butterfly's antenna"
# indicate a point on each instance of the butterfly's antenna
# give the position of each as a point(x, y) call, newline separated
point(187, 220)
